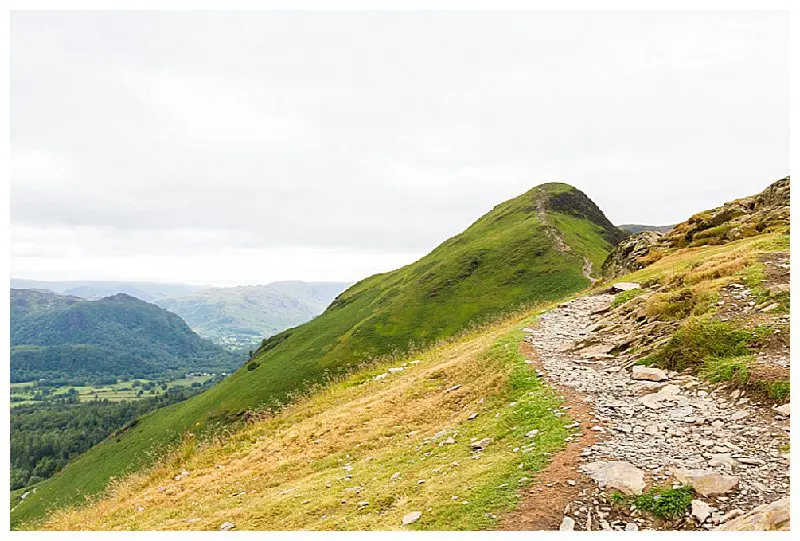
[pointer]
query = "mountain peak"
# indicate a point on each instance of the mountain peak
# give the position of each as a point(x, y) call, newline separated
point(569, 200)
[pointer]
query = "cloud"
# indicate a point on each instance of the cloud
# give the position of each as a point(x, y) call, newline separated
point(157, 136)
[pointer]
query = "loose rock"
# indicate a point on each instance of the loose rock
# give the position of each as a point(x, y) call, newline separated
point(648, 373)
point(412, 517)
point(700, 510)
point(618, 474)
point(707, 482)
point(567, 524)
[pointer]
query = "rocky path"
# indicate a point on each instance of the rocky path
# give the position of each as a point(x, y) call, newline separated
point(658, 429)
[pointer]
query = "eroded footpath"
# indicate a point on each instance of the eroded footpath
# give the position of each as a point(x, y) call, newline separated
point(656, 429)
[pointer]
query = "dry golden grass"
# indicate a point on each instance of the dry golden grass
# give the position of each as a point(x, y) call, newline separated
point(312, 465)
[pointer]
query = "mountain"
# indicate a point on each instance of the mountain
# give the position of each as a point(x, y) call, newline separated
point(538, 247)
point(234, 317)
point(239, 317)
point(638, 228)
point(465, 434)
point(93, 290)
point(58, 337)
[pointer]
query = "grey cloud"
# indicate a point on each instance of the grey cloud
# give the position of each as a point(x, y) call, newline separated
point(384, 132)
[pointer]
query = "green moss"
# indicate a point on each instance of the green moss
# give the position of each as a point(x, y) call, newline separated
point(711, 235)
point(700, 339)
point(733, 369)
point(775, 390)
point(624, 296)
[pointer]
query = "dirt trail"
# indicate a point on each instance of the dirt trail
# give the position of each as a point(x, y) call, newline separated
point(657, 427)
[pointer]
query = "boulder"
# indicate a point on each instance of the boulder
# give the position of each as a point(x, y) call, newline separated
point(784, 409)
point(707, 482)
point(227, 526)
point(648, 373)
point(768, 517)
point(618, 474)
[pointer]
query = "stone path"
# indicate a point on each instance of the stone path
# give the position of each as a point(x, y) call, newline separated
point(667, 429)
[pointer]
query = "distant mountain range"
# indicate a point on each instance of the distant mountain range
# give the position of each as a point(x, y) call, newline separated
point(238, 317)
point(57, 337)
point(234, 317)
point(638, 228)
point(93, 290)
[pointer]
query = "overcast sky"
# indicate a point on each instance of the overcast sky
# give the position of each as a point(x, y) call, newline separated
point(235, 148)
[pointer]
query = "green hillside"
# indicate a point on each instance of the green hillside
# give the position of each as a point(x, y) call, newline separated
point(68, 338)
point(533, 248)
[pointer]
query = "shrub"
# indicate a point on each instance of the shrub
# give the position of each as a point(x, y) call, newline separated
point(252, 365)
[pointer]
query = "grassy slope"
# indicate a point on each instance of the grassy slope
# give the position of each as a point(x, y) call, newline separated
point(291, 471)
point(502, 262)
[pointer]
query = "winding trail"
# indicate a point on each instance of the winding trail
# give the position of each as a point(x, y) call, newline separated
point(658, 427)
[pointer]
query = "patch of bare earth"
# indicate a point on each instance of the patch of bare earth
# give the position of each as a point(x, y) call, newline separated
point(560, 483)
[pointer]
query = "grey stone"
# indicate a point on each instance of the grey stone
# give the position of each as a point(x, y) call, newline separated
point(567, 524)
point(648, 373)
point(618, 474)
point(412, 517)
point(700, 510)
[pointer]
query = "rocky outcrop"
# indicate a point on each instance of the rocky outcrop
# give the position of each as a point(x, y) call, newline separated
point(735, 220)
point(626, 256)
point(576, 203)
point(742, 218)
point(768, 517)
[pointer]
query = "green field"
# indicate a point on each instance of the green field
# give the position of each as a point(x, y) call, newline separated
point(25, 393)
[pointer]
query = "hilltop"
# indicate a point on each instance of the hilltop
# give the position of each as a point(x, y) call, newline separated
point(58, 337)
point(655, 400)
point(538, 247)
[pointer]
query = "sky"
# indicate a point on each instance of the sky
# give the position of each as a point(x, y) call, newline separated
point(236, 148)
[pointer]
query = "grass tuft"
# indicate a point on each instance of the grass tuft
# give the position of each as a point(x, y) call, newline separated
point(661, 502)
